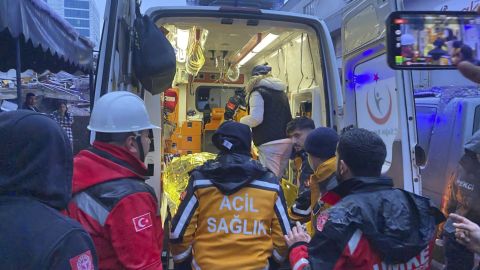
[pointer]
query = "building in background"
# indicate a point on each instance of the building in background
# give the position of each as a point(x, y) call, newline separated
point(83, 15)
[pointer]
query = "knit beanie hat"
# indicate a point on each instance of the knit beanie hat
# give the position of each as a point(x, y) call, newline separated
point(233, 137)
point(322, 143)
point(261, 70)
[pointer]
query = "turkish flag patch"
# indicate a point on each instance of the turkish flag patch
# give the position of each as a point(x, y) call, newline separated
point(321, 220)
point(142, 222)
point(83, 261)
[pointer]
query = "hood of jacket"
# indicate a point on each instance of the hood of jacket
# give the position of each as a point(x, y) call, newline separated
point(473, 143)
point(325, 170)
point(230, 172)
point(397, 223)
point(92, 169)
point(272, 84)
point(35, 158)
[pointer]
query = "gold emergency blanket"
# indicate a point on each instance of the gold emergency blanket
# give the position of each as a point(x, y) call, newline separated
point(175, 176)
point(290, 191)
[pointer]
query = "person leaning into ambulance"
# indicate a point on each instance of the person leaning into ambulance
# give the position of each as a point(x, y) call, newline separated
point(233, 215)
point(111, 199)
point(269, 113)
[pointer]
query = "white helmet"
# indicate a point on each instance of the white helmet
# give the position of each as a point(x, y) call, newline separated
point(407, 39)
point(118, 112)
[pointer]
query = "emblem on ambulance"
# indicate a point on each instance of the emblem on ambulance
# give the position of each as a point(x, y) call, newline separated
point(322, 220)
point(379, 109)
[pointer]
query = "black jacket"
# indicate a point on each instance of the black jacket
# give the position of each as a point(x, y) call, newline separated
point(276, 112)
point(35, 184)
point(397, 224)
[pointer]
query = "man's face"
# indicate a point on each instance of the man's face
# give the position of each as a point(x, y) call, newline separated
point(298, 137)
point(32, 100)
point(134, 147)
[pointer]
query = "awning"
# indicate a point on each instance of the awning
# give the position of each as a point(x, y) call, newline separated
point(47, 41)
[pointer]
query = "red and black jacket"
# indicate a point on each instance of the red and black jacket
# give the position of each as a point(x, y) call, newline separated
point(371, 226)
point(117, 208)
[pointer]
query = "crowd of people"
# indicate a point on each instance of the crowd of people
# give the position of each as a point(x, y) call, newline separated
point(95, 211)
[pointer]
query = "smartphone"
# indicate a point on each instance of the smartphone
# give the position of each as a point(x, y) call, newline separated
point(432, 39)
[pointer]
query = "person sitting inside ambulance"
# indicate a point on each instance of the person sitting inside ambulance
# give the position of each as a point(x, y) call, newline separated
point(269, 114)
point(233, 215)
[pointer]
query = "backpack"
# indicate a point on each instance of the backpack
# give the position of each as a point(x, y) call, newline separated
point(154, 60)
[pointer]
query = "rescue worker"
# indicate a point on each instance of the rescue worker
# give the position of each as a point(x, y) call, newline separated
point(320, 146)
point(35, 185)
point(298, 130)
point(462, 198)
point(235, 102)
point(233, 215)
point(371, 225)
point(268, 116)
point(111, 199)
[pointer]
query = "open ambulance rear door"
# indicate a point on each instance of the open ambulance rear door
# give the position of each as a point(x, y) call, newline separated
point(115, 72)
point(376, 97)
point(300, 50)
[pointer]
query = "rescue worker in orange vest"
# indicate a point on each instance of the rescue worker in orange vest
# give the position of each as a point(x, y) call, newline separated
point(233, 214)
point(320, 146)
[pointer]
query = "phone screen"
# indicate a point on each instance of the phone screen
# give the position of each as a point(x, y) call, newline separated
point(432, 40)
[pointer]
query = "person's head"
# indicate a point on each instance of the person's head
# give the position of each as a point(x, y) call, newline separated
point(464, 53)
point(360, 153)
point(320, 146)
point(438, 43)
point(472, 147)
point(233, 137)
point(298, 130)
point(120, 118)
point(137, 143)
point(62, 107)
point(36, 158)
point(261, 70)
point(31, 99)
point(407, 41)
point(457, 44)
point(448, 34)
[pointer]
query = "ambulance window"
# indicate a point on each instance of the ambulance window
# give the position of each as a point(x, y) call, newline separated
point(476, 121)
point(214, 96)
point(425, 121)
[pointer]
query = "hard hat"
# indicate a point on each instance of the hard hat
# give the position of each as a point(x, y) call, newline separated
point(407, 39)
point(119, 111)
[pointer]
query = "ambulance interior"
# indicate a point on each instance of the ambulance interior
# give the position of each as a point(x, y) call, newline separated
point(215, 57)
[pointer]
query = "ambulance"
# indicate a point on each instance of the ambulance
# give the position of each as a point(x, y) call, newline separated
point(217, 47)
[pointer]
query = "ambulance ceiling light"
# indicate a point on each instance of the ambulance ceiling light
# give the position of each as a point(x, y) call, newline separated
point(267, 40)
point(183, 37)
